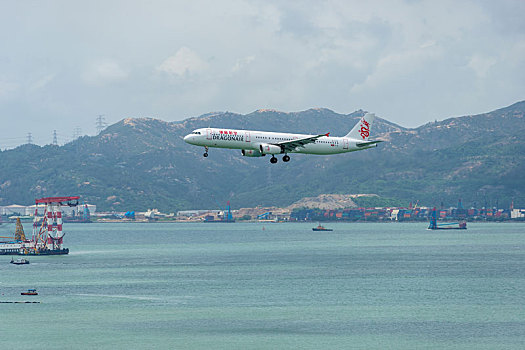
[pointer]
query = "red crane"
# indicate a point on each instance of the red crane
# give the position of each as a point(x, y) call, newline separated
point(52, 237)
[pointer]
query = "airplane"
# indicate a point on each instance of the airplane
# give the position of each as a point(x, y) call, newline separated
point(260, 143)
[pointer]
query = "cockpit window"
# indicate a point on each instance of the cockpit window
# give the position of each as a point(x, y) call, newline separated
point(196, 132)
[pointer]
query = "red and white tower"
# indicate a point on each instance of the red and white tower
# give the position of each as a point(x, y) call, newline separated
point(50, 235)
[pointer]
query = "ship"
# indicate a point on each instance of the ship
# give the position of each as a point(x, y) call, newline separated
point(20, 261)
point(47, 237)
point(211, 218)
point(30, 292)
point(321, 228)
point(445, 226)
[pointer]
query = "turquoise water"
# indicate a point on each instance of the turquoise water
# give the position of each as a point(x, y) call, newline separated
point(237, 286)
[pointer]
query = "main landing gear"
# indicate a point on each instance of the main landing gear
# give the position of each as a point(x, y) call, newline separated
point(206, 151)
point(286, 158)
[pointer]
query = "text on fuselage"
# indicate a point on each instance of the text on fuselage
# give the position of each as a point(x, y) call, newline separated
point(228, 135)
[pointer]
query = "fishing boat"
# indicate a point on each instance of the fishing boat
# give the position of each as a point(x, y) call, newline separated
point(30, 292)
point(19, 261)
point(321, 228)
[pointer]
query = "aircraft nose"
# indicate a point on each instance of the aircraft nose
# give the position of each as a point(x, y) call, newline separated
point(187, 138)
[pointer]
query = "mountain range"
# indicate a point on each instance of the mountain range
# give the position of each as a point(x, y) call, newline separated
point(141, 163)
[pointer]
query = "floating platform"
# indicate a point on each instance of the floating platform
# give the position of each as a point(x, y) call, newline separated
point(28, 248)
point(449, 226)
point(47, 237)
point(446, 226)
point(63, 251)
point(19, 302)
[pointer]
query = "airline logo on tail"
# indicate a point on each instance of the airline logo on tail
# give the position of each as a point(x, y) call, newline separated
point(365, 129)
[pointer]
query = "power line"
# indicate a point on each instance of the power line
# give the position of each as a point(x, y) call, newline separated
point(101, 123)
point(29, 138)
point(12, 138)
point(63, 139)
point(77, 132)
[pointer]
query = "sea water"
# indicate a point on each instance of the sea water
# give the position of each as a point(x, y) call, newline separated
point(270, 286)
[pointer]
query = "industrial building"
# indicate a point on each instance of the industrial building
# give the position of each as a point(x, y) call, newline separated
point(29, 210)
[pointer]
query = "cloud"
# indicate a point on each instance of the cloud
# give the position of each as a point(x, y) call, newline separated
point(104, 72)
point(7, 88)
point(42, 82)
point(241, 63)
point(481, 64)
point(184, 62)
point(399, 65)
point(409, 61)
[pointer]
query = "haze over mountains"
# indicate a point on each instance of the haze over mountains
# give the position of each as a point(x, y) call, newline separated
point(141, 163)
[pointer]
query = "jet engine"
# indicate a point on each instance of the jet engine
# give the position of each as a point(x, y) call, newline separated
point(270, 149)
point(252, 153)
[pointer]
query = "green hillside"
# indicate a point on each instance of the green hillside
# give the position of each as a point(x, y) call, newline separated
point(144, 163)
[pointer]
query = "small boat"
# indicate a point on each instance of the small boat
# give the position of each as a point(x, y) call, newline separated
point(19, 261)
point(30, 292)
point(321, 228)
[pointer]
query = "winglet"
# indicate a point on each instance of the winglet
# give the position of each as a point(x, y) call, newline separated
point(327, 134)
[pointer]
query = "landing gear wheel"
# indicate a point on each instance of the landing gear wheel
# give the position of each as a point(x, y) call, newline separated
point(273, 160)
point(205, 154)
point(205, 151)
point(286, 158)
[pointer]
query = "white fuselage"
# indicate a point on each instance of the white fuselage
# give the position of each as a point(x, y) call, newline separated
point(252, 140)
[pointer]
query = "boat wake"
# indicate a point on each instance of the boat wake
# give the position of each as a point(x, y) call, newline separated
point(120, 296)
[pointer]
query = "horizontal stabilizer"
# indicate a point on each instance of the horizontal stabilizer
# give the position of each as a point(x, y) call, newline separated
point(367, 143)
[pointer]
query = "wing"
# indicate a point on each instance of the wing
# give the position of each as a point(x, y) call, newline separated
point(289, 146)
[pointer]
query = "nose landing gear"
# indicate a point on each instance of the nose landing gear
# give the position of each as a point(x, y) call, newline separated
point(206, 151)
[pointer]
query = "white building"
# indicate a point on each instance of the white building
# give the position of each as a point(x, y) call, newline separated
point(517, 214)
point(29, 210)
point(199, 212)
point(14, 209)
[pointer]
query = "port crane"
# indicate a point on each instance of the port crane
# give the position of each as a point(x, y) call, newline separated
point(227, 212)
point(19, 233)
point(264, 216)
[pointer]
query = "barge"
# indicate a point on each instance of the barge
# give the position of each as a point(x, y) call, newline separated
point(47, 237)
point(446, 226)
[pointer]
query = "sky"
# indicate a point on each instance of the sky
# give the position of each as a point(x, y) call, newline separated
point(64, 63)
